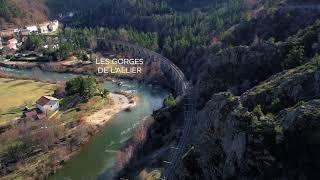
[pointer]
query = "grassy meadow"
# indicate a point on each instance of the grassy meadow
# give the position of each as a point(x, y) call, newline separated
point(15, 94)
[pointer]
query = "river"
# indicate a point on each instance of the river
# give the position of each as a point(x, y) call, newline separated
point(99, 155)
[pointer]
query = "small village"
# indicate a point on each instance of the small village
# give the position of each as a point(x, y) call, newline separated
point(10, 42)
point(12, 39)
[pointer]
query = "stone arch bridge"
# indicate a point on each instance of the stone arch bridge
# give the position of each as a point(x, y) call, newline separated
point(179, 83)
point(173, 75)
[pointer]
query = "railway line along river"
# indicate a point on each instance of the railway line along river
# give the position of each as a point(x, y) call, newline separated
point(99, 154)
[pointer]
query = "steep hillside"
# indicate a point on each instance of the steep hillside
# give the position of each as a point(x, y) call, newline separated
point(60, 6)
point(21, 12)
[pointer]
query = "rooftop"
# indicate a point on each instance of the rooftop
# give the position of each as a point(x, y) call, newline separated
point(45, 99)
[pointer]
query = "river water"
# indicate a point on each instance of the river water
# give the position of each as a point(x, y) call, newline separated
point(98, 156)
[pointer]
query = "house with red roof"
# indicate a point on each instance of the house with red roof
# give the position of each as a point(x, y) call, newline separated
point(47, 103)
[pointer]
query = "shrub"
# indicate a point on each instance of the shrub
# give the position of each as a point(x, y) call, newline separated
point(272, 40)
point(169, 101)
point(275, 105)
point(316, 60)
point(10, 56)
point(278, 130)
point(17, 151)
point(254, 122)
point(257, 111)
point(34, 42)
point(105, 93)
point(231, 99)
point(294, 58)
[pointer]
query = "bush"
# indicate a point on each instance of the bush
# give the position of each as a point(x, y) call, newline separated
point(105, 92)
point(294, 58)
point(255, 122)
point(10, 56)
point(83, 55)
point(34, 42)
point(272, 40)
point(278, 130)
point(169, 101)
point(316, 60)
point(275, 105)
point(257, 111)
point(17, 151)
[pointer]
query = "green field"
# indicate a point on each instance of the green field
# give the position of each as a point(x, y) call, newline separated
point(15, 94)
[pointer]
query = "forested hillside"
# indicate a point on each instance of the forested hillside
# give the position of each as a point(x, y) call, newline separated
point(185, 28)
point(21, 12)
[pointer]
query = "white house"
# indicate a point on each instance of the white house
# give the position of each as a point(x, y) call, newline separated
point(53, 25)
point(32, 28)
point(24, 32)
point(12, 41)
point(47, 103)
point(44, 27)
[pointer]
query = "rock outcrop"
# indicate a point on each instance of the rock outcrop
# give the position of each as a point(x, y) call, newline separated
point(284, 89)
point(236, 139)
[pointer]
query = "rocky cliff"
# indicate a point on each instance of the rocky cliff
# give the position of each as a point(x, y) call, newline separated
point(235, 141)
